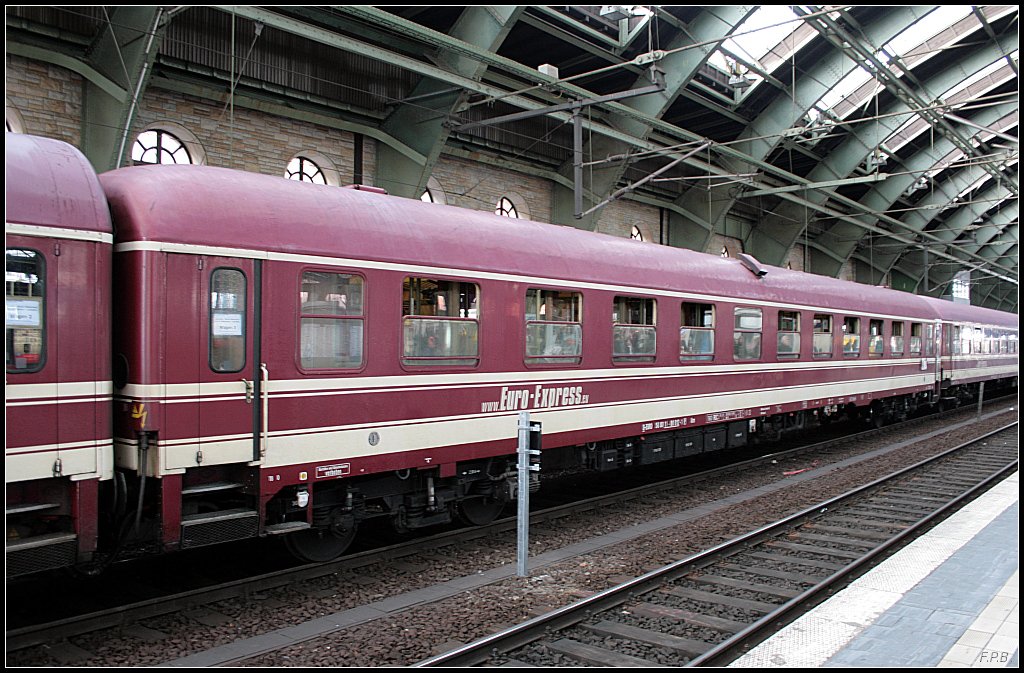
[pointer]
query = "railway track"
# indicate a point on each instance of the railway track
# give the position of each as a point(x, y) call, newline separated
point(707, 609)
point(123, 615)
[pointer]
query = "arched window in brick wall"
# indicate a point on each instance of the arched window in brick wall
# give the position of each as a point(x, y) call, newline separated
point(506, 208)
point(159, 146)
point(305, 170)
point(636, 234)
point(434, 193)
point(312, 166)
point(13, 121)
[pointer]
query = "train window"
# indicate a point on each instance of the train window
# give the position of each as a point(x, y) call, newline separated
point(822, 343)
point(896, 339)
point(915, 337)
point(26, 311)
point(697, 332)
point(441, 325)
point(876, 342)
point(633, 330)
point(747, 334)
point(227, 320)
point(788, 340)
point(331, 321)
point(851, 337)
point(554, 330)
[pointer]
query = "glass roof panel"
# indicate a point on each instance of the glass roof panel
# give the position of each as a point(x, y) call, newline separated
point(968, 90)
point(937, 30)
point(769, 30)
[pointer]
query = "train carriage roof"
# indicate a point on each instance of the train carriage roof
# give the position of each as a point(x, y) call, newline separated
point(51, 184)
point(226, 208)
point(953, 312)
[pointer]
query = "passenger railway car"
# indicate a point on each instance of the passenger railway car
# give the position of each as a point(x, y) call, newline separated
point(292, 359)
point(59, 244)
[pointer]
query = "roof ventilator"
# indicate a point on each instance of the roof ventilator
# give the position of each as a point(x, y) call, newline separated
point(752, 264)
point(367, 188)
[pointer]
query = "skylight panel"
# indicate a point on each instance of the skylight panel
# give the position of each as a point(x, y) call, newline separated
point(924, 29)
point(763, 32)
point(971, 88)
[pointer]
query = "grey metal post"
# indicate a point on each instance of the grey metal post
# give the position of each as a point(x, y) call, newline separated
point(523, 516)
point(981, 396)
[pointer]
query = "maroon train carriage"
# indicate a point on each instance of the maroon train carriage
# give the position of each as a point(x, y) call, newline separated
point(978, 345)
point(293, 359)
point(58, 389)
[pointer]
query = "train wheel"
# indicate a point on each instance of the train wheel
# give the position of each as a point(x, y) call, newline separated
point(318, 545)
point(478, 511)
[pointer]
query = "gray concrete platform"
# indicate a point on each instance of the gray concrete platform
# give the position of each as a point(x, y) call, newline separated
point(949, 599)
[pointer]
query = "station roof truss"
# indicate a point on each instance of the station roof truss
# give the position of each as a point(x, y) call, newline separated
point(885, 137)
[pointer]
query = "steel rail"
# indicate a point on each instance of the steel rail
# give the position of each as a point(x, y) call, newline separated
point(561, 618)
point(29, 636)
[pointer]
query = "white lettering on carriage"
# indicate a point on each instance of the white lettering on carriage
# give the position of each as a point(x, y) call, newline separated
point(336, 470)
point(539, 398)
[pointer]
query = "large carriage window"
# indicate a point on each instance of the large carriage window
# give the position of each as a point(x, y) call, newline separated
point(227, 320)
point(633, 331)
point(822, 344)
point(554, 330)
point(876, 344)
point(896, 340)
point(851, 337)
point(441, 322)
point(331, 320)
point(747, 334)
point(789, 334)
point(915, 338)
point(697, 332)
point(26, 311)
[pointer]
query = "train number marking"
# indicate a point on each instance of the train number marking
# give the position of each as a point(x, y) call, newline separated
point(335, 470)
point(139, 412)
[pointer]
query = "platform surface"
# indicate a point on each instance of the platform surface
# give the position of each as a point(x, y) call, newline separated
point(951, 598)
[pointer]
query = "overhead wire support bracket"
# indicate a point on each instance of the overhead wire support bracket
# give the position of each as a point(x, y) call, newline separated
point(629, 188)
point(657, 77)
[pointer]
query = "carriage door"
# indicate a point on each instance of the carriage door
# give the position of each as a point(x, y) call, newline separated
point(229, 368)
point(210, 367)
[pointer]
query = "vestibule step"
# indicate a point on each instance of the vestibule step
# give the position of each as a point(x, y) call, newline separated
point(209, 487)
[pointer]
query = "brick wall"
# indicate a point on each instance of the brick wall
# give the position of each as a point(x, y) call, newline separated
point(254, 141)
point(48, 99)
point(480, 186)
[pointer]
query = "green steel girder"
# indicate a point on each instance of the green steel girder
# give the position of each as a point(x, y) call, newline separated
point(1000, 253)
point(775, 236)
point(764, 134)
point(929, 207)
point(122, 53)
point(679, 68)
point(843, 237)
point(673, 134)
point(423, 126)
point(844, 40)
